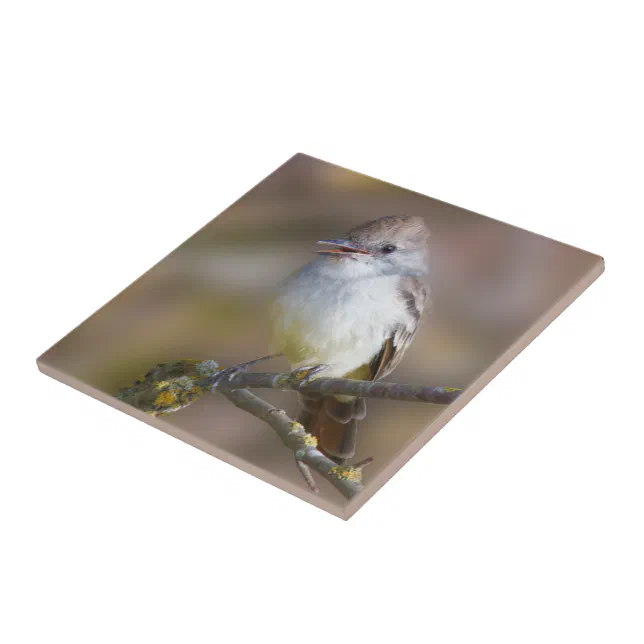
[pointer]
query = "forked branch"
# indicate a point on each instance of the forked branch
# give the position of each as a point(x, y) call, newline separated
point(171, 386)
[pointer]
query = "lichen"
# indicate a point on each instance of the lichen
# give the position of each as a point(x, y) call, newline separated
point(300, 374)
point(207, 368)
point(165, 388)
point(165, 399)
point(283, 379)
point(310, 441)
point(347, 473)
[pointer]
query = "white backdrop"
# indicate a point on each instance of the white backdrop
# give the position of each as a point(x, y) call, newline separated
point(126, 126)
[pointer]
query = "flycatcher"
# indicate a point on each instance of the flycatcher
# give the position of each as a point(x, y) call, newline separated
point(352, 313)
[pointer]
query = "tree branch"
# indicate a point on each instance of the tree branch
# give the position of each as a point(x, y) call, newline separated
point(346, 479)
point(329, 386)
point(171, 386)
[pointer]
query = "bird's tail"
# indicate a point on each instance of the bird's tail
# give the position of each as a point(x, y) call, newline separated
point(334, 423)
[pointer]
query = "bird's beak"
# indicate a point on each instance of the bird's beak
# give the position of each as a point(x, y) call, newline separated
point(340, 247)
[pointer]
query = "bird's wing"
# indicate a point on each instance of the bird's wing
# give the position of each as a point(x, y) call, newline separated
point(413, 292)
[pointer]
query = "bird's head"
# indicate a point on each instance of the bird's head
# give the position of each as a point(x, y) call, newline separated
point(394, 245)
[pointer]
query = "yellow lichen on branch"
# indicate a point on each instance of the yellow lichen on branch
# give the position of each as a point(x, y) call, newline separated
point(309, 440)
point(347, 473)
point(169, 387)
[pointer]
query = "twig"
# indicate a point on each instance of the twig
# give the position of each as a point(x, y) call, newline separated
point(305, 470)
point(347, 480)
point(364, 462)
point(329, 386)
point(171, 386)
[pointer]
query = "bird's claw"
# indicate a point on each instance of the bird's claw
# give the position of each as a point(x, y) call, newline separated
point(227, 375)
point(304, 375)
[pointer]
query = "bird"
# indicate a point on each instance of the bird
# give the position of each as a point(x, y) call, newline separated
point(352, 312)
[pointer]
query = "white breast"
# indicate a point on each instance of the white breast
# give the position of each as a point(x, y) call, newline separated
point(323, 317)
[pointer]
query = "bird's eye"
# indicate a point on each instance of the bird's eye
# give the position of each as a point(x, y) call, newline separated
point(389, 248)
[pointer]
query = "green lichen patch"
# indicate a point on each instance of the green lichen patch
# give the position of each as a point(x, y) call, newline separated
point(207, 368)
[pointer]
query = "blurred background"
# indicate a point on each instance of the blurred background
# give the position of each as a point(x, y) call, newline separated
point(209, 298)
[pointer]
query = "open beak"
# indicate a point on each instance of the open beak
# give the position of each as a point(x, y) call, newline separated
point(340, 247)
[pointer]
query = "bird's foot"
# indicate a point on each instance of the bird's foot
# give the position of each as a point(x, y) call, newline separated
point(227, 375)
point(304, 375)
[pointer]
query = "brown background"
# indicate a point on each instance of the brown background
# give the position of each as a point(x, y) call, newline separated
point(208, 300)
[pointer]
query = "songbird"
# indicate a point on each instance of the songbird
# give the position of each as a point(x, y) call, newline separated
point(352, 313)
